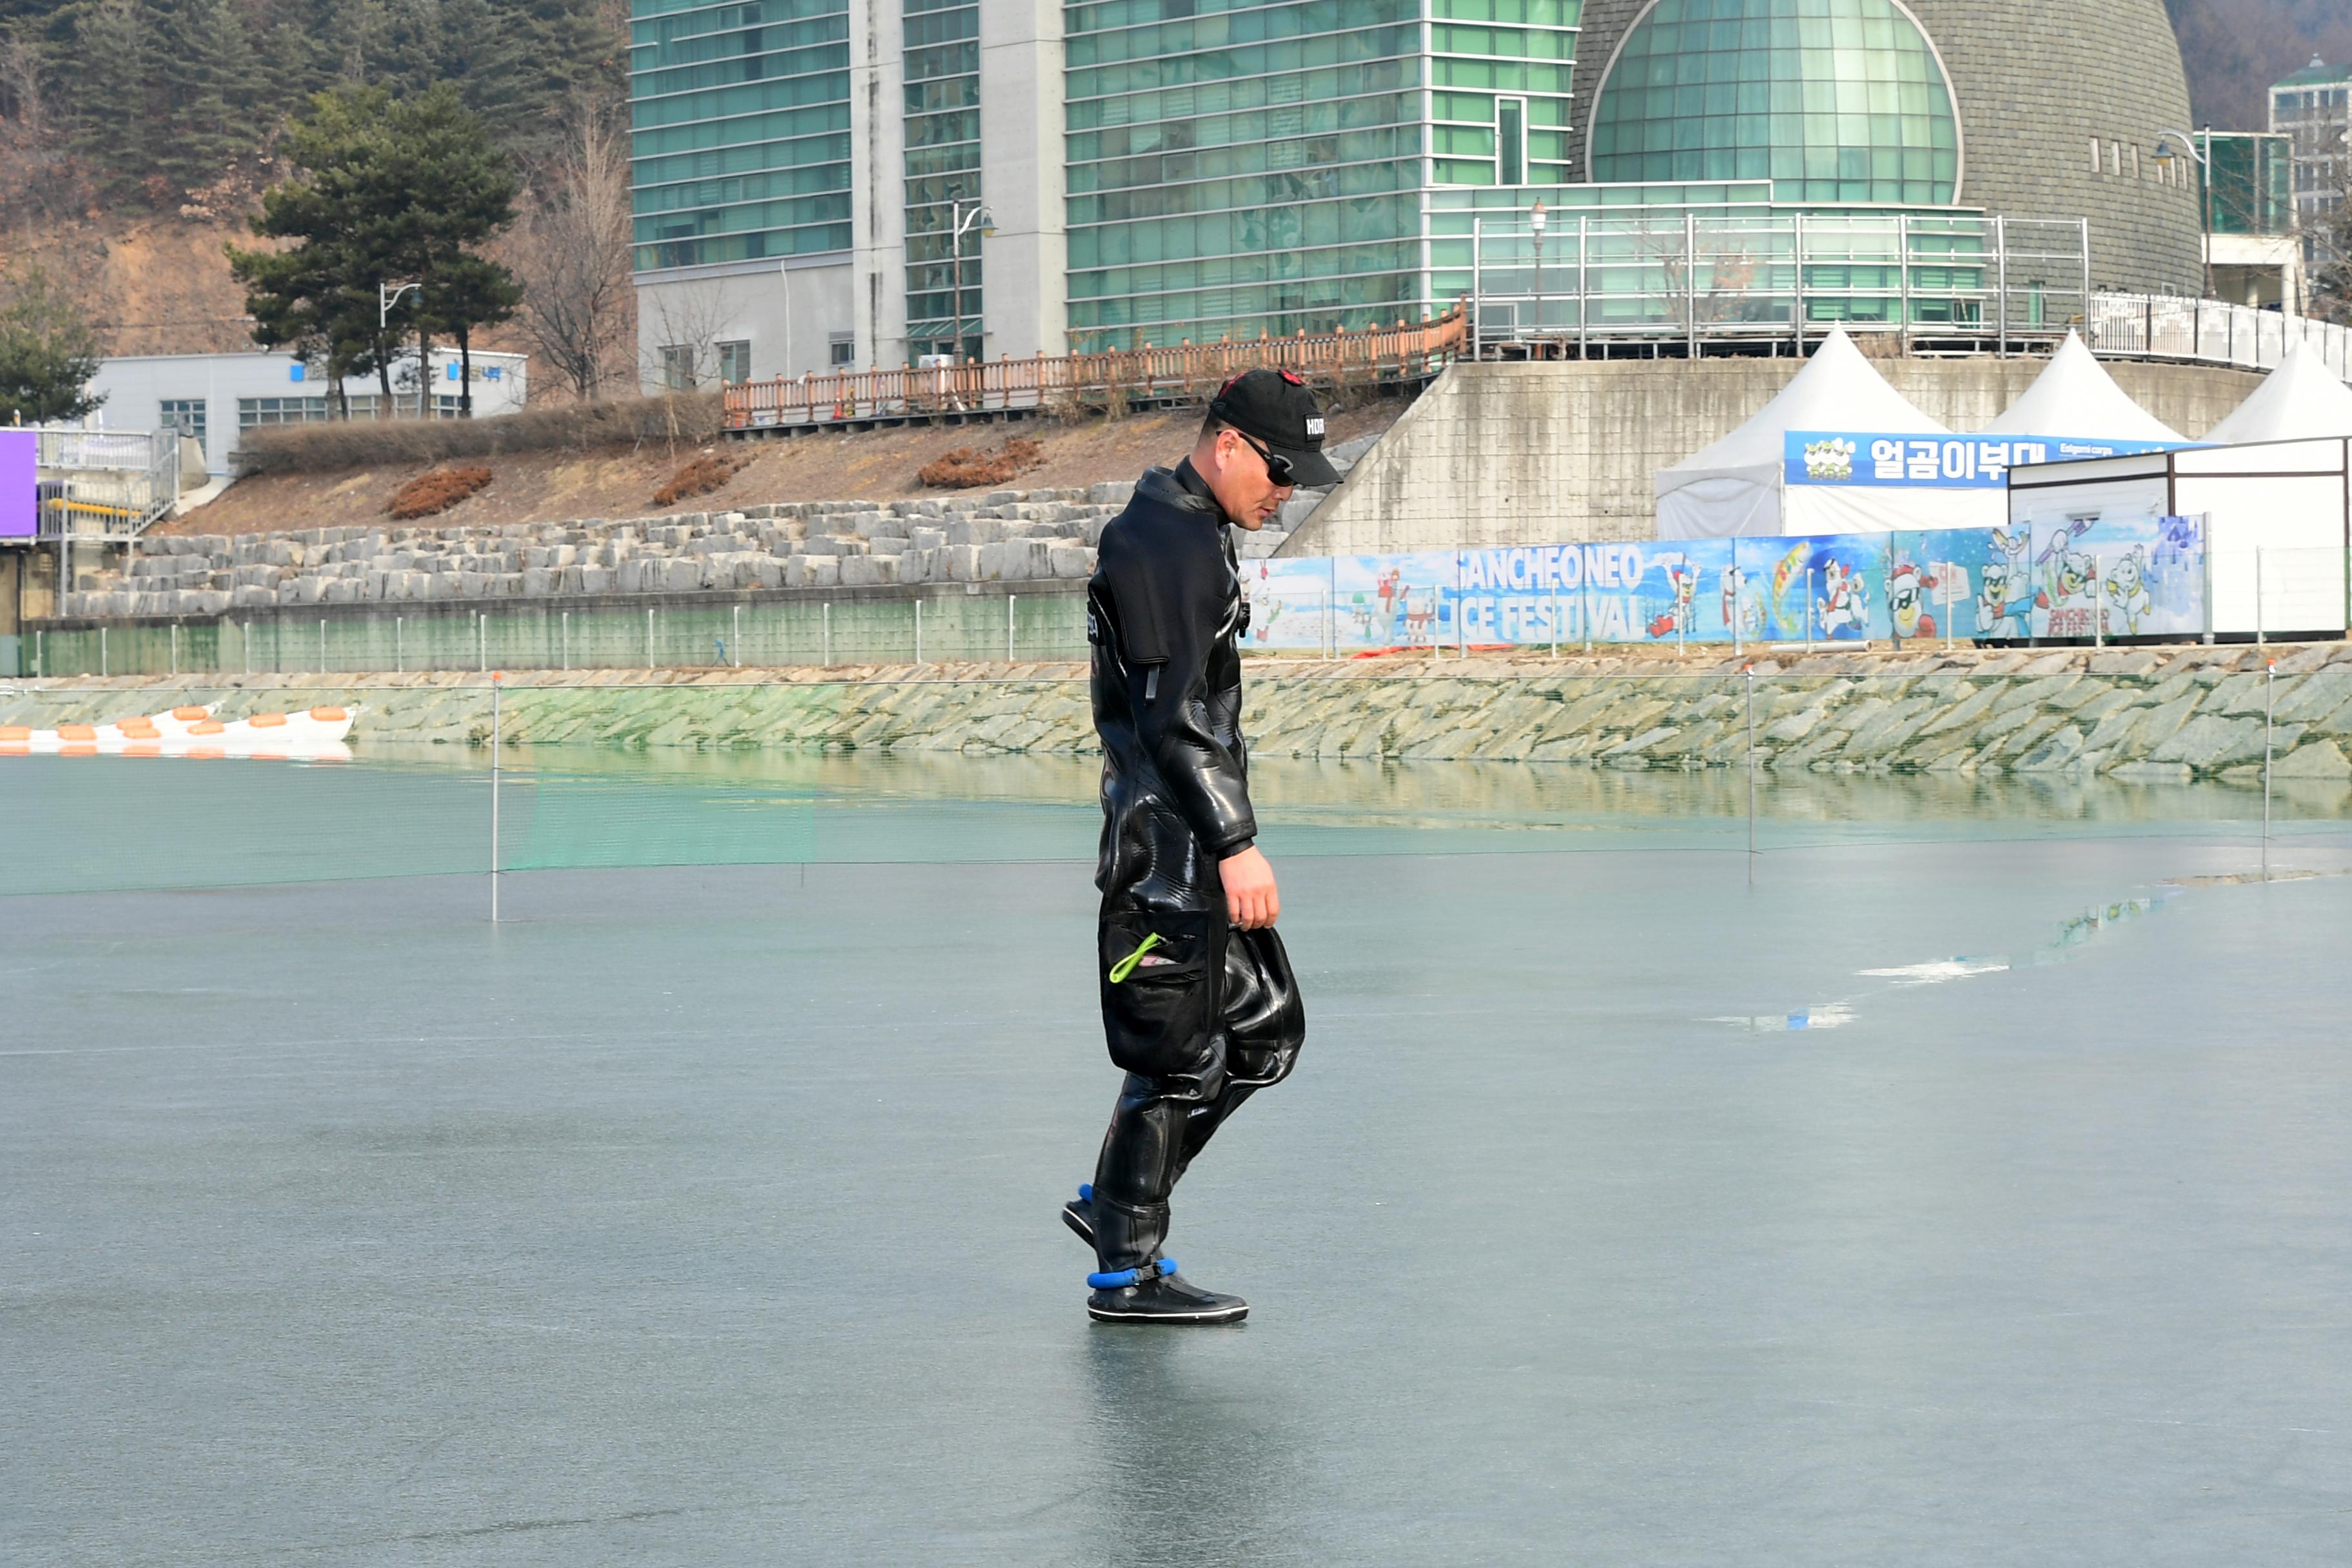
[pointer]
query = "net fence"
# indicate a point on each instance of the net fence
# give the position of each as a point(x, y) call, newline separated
point(763, 635)
point(2271, 753)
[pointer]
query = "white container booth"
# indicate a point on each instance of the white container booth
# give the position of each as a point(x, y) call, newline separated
point(2278, 515)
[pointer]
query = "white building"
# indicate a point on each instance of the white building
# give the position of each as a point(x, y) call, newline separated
point(217, 397)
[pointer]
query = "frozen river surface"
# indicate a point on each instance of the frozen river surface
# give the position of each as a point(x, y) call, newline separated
point(1968, 1188)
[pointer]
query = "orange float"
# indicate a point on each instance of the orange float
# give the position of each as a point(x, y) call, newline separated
point(328, 715)
point(76, 732)
point(16, 733)
point(190, 715)
point(209, 727)
point(267, 721)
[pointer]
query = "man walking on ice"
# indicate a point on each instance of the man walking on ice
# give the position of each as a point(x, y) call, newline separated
point(1198, 1000)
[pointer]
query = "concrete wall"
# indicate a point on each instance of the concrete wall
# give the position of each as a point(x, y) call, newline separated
point(2156, 715)
point(788, 313)
point(1027, 298)
point(1552, 453)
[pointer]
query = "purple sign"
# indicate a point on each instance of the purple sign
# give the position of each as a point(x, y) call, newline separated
point(19, 458)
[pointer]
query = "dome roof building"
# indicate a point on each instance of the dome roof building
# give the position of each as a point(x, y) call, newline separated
point(1978, 103)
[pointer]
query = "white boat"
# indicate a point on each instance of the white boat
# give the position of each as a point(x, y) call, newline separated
point(310, 735)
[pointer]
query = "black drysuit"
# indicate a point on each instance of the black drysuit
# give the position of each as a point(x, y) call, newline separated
point(1208, 1014)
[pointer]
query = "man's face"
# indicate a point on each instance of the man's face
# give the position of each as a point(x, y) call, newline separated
point(1237, 477)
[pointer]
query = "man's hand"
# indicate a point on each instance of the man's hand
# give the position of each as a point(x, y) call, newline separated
point(1251, 898)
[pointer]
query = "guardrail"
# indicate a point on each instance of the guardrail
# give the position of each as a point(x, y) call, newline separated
point(105, 485)
point(1151, 373)
point(2209, 331)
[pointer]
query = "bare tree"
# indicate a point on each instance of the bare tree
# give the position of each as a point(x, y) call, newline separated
point(572, 252)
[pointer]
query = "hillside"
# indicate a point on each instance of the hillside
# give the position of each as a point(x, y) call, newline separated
point(873, 464)
point(2236, 48)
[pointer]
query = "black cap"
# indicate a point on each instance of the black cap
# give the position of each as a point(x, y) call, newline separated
point(1275, 408)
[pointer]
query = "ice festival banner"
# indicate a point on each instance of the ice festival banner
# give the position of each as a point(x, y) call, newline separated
point(2075, 578)
point(1815, 588)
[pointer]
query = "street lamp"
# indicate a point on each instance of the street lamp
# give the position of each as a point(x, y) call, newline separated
point(386, 297)
point(2164, 143)
point(963, 221)
point(1536, 220)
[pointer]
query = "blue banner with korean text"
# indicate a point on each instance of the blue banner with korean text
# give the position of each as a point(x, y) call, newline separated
point(1873, 459)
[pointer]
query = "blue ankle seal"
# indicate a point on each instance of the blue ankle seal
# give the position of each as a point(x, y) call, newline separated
point(1085, 1192)
point(1126, 1277)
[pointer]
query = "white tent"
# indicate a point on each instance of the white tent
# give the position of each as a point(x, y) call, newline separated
point(2074, 396)
point(1735, 488)
point(2300, 401)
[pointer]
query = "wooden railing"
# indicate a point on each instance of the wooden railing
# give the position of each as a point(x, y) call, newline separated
point(1146, 375)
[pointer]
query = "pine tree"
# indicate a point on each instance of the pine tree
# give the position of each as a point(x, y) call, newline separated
point(391, 191)
point(49, 353)
point(212, 91)
point(110, 69)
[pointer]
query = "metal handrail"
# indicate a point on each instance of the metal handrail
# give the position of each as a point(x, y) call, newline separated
point(1149, 372)
point(105, 485)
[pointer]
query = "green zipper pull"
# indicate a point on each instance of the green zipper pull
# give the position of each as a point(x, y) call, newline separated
point(1126, 966)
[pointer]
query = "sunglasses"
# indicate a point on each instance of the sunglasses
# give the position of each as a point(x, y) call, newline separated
point(1277, 467)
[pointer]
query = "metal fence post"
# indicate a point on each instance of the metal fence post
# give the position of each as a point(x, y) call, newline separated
point(496, 682)
point(1750, 673)
point(1477, 282)
point(175, 648)
point(738, 643)
point(649, 637)
point(1009, 599)
point(399, 647)
point(102, 652)
point(918, 631)
point(1583, 287)
point(564, 632)
point(2270, 695)
point(482, 640)
point(828, 634)
point(322, 645)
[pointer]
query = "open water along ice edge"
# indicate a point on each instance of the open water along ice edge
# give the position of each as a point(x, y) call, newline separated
point(108, 822)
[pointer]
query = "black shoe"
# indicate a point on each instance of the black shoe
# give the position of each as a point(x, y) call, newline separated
point(1163, 1297)
point(1079, 1214)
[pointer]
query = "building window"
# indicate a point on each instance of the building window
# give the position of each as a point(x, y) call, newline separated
point(1511, 134)
point(186, 414)
point(254, 411)
point(678, 367)
point(734, 363)
point(842, 350)
point(2095, 154)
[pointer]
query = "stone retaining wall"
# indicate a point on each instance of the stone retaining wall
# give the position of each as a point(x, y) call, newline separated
point(1008, 536)
point(2154, 713)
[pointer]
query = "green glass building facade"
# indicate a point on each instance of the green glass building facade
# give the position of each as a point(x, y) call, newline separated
point(943, 175)
point(1236, 167)
point(740, 136)
point(808, 173)
point(1833, 100)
